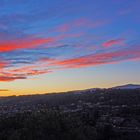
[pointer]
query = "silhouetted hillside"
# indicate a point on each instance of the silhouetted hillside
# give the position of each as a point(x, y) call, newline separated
point(101, 114)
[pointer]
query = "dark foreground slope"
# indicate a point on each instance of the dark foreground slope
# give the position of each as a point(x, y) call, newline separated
point(111, 114)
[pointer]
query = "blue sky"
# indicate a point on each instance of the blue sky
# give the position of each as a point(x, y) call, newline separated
point(84, 43)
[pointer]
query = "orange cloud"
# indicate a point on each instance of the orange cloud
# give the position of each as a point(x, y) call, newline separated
point(22, 43)
point(4, 90)
point(22, 73)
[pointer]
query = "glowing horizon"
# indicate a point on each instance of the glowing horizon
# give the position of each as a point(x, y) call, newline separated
point(68, 45)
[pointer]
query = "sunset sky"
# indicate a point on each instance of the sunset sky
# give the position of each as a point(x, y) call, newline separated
point(60, 45)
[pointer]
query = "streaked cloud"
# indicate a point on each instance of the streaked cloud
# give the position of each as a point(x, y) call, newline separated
point(25, 43)
point(3, 90)
point(112, 42)
point(100, 58)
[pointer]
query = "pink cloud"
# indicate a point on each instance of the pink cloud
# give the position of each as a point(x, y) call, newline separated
point(113, 42)
point(10, 78)
point(98, 59)
point(2, 64)
point(63, 28)
point(47, 65)
point(83, 22)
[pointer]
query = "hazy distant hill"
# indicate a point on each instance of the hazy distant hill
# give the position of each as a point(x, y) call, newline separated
point(128, 86)
point(93, 90)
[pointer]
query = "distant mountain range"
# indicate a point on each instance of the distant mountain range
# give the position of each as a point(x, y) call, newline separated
point(128, 86)
point(92, 90)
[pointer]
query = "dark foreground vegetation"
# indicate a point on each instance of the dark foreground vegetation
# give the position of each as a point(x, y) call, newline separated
point(83, 115)
point(52, 125)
